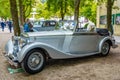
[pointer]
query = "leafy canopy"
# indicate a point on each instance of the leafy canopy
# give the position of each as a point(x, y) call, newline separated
point(4, 8)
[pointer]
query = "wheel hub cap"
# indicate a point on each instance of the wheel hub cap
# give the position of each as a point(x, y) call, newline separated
point(35, 61)
point(105, 48)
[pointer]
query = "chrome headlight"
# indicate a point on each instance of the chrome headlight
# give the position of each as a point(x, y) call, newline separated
point(20, 41)
point(15, 40)
point(23, 41)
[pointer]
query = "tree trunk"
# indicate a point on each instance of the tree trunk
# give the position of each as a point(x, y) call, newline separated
point(109, 12)
point(21, 11)
point(76, 10)
point(14, 13)
point(110, 3)
point(61, 11)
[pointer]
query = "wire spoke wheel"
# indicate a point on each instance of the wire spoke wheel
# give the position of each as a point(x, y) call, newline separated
point(105, 48)
point(34, 61)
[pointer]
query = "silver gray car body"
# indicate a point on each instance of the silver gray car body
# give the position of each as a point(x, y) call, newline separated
point(58, 44)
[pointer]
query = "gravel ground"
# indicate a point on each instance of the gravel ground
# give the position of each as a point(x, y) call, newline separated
point(87, 68)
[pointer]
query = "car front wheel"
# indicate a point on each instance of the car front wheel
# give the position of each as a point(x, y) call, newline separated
point(34, 61)
point(105, 49)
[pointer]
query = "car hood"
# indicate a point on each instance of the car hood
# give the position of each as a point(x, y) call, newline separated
point(48, 33)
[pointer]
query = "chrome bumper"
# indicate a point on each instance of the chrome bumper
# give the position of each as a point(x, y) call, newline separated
point(114, 44)
point(9, 47)
point(11, 62)
point(9, 50)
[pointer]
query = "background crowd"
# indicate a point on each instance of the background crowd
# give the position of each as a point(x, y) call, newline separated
point(6, 24)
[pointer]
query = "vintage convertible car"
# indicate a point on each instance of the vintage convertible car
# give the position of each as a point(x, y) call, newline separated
point(32, 50)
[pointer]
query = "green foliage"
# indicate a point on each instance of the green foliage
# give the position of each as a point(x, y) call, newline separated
point(28, 5)
point(88, 9)
point(53, 8)
point(60, 7)
point(4, 8)
point(42, 11)
point(99, 2)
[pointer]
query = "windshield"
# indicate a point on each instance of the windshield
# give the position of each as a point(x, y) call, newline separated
point(50, 25)
point(38, 23)
point(67, 25)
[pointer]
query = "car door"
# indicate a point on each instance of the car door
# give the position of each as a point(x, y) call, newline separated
point(84, 42)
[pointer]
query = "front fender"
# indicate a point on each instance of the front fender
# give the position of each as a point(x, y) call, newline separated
point(104, 40)
point(29, 47)
point(52, 51)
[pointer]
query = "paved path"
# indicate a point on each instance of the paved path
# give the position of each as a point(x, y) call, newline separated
point(117, 38)
point(4, 36)
point(6, 30)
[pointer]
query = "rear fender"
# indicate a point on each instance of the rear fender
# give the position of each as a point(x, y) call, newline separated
point(104, 40)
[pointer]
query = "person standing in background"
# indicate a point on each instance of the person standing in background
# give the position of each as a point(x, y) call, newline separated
point(27, 26)
point(10, 25)
point(2, 24)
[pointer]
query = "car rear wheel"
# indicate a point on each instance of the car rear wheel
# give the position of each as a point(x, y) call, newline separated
point(105, 49)
point(34, 61)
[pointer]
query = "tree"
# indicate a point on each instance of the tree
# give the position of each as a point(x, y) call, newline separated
point(4, 9)
point(76, 10)
point(88, 9)
point(109, 6)
point(25, 7)
point(21, 12)
point(43, 11)
point(60, 6)
point(109, 14)
point(14, 13)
